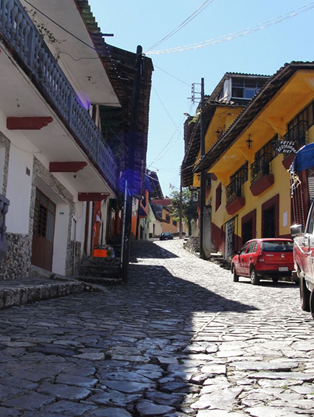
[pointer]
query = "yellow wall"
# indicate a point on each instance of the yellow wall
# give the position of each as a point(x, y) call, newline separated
point(294, 96)
point(222, 119)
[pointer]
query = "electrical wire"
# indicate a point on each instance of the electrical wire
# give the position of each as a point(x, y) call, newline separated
point(169, 141)
point(235, 35)
point(184, 23)
point(61, 27)
point(164, 107)
point(183, 82)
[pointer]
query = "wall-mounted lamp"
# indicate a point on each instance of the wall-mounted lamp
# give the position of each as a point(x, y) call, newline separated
point(249, 142)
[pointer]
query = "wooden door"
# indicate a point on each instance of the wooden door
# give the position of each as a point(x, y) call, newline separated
point(43, 231)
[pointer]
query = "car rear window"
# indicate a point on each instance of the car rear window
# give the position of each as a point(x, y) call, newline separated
point(277, 246)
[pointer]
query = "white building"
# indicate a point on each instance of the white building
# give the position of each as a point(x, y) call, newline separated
point(55, 168)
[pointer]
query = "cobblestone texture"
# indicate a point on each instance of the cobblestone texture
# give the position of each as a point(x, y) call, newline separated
point(181, 339)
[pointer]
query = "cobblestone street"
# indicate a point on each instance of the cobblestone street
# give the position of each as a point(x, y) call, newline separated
point(181, 339)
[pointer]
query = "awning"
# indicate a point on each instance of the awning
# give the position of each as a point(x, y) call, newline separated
point(304, 159)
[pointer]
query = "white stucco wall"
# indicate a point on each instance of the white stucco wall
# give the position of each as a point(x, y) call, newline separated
point(60, 239)
point(19, 189)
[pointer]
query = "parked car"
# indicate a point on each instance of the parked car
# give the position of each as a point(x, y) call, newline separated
point(166, 236)
point(264, 258)
point(303, 253)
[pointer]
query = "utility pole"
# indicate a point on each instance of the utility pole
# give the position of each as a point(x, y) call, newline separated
point(203, 174)
point(180, 207)
point(195, 97)
point(129, 180)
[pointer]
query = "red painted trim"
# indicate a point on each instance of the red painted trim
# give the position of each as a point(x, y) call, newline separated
point(235, 205)
point(288, 161)
point(66, 166)
point(267, 205)
point(245, 219)
point(218, 237)
point(261, 185)
point(92, 196)
point(28, 123)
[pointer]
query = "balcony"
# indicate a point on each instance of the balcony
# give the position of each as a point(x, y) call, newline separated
point(261, 176)
point(299, 137)
point(234, 194)
point(4, 207)
point(25, 43)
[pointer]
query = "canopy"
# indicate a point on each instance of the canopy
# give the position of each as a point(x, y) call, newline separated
point(304, 159)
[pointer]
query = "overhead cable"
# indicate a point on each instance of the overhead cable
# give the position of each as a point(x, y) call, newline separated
point(234, 35)
point(184, 23)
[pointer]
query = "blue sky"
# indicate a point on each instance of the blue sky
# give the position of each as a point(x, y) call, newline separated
point(145, 23)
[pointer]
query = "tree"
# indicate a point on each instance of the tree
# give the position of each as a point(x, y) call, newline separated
point(189, 207)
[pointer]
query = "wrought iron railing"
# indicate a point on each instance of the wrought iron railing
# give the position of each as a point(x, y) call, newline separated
point(4, 207)
point(260, 167)
point(298, 135)
point(17, 28)
point(234, 190)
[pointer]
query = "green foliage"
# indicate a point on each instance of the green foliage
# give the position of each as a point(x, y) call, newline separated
point(189, 208)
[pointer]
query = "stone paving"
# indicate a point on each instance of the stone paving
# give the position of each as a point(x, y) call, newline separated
point(181, 339)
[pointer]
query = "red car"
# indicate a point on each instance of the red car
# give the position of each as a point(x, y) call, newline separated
point(265, 258)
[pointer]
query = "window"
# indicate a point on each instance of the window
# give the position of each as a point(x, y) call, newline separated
point(261, 165)
point(252, 248)
point(300, 124)
point(243, 249)
point(267, 152)
point(241, 174)
point(167, 218)
point(218, 196)
point(245, 88)
point(234, 189)
point(174, 222)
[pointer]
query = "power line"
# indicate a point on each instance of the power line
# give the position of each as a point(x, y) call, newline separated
point(184, 23)
point(234, 35)
point(61, 27)
point(171, 75)
point(169, 141)
point(164, 107)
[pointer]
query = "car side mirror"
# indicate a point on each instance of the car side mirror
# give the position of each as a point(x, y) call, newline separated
point(296, 229)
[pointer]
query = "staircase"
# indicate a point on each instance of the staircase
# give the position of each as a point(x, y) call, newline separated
point(100, 270)
point(218, 259)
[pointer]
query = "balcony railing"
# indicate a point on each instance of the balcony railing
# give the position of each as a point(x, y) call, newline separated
point(22, 36)
point(260, 167)
point(298, 134)
point(4, 207)
point(234, 190)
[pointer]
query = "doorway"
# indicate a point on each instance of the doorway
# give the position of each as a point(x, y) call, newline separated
point(43, 231)
point(248, 227)
point(270, 217)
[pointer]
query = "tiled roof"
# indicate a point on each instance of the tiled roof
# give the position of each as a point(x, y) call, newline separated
point(271, 87)
point(120, 68)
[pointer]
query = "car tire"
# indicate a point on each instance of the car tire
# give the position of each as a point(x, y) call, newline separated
point(253, 277)
point(235, 275)
point(275, 280)
point(305, 296)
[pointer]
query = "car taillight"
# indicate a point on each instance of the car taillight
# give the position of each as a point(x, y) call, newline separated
point(261, 257)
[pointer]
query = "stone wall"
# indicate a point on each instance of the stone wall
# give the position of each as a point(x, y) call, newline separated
point(6, 144)
point(73, 267)
point(17, 262)
point(192, 244)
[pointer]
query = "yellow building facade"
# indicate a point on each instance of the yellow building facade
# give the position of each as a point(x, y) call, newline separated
point(249, 192)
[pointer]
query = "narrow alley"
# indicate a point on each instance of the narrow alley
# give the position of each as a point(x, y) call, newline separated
point(181, 339)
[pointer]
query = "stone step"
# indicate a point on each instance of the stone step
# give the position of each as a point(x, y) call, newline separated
point(99, 280)
point(24, 291)
point(111, 273)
